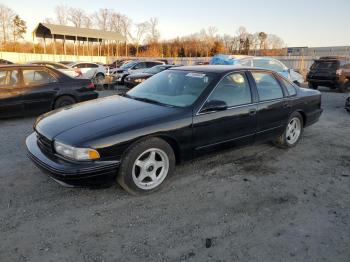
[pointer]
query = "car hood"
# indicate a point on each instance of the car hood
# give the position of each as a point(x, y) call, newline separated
point(113, 115)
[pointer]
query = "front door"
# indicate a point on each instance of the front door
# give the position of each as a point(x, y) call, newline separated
point(40, 89)
point(232, 126)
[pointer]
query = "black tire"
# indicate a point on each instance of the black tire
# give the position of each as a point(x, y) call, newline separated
point(282, 141)
point(347, 104)
point(125, 175)
point(344, 87)
point(64, 101)
point(122, 81)
point(313, 85)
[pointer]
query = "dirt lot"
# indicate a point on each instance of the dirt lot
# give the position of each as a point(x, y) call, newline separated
point(254, 204)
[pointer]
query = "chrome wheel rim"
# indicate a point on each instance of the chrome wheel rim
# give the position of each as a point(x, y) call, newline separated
point(293, 130)
point(150, 169)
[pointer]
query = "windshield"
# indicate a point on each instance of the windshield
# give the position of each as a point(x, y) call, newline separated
point(128, 65)
point(173, 88)
point(155, 69)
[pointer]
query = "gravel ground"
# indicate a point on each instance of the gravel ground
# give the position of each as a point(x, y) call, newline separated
point(259, 203)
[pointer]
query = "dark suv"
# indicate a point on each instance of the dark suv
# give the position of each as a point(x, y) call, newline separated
point(331, 71)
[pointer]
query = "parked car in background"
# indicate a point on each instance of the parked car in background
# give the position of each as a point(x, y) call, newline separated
point(137, 78)
point(66, 62)
point(89, 70)
point(5, 62)
point(72, 72)
point(331, 71)
point(260, 62)
point(117, 63)
point(175, 115)
point(132, 67)
point(34, 89)
point(347, 104)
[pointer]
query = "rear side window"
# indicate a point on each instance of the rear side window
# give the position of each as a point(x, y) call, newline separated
point(8, 78)
point(290, 87)
point(270, 64)
point(268, 86)
point(80, 66)
point(234, 90)
point(325, 65)
point(37, 77)
point(91, 65)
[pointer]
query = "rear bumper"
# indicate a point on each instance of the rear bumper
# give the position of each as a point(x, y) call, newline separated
point(313, 117)
point(71, 173)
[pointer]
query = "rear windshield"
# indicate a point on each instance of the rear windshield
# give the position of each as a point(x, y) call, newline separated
point(325, 65)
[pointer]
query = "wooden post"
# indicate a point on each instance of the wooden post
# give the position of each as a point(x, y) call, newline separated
point(33, 35)
point(64, 45)
point(54, 44)
point(76, 39)
point(44, 45)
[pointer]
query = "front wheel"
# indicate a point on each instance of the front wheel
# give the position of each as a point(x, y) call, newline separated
point(292, 133)
point(63, 101)
point(347, 104)
point(145, 166)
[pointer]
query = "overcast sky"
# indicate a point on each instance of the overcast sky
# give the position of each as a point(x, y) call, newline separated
point(297, 22)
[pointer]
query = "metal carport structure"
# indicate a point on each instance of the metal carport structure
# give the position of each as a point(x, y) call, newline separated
point(76, 34)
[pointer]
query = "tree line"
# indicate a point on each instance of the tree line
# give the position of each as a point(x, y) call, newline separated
point(142, 38)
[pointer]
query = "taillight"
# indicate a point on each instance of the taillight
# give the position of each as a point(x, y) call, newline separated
point(339, 72)
point(91, 85)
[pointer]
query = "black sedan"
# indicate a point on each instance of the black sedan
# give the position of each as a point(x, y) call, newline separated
point(33, 89)
point(174, 116)
point(135, 79)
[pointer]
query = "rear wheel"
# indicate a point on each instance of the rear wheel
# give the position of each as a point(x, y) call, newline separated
point(347, 104)
point(146, 166)
point(64, 101)
point(292, 133)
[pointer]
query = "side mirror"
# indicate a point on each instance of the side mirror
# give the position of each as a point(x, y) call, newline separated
point(214, 105)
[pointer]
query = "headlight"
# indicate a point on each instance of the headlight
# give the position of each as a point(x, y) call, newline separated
point(76, 153)
point(139, 80)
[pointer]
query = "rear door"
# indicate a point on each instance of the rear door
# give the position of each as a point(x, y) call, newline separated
point(11, 103)
point(40, 88)
point(273, 108)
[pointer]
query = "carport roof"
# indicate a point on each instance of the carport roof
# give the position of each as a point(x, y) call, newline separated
point(45, 30)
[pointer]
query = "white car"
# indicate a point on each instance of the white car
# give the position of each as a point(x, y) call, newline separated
point(72, 72)
point(261, 62)
point(90, 70)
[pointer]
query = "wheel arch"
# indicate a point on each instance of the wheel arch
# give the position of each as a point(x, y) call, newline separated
point(303, 115)
point(62, 95)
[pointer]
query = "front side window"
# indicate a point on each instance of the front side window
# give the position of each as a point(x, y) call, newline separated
point(233, 89)
point(172, 87)
point(140, 65)
point(37, 77)
point(91, 65)
point(269, 64)
point(268, 86)
point(8, 78)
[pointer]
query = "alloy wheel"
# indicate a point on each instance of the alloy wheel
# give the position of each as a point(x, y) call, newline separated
point(293, 130)
point(150, 169)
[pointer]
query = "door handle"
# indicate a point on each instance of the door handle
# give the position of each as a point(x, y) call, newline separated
point(287, 105)
point(252, 112)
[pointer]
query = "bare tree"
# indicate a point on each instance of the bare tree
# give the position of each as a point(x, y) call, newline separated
point(262, 38)
point(87, 22)
point(141, 31)
point(102, 17)
point(61, 12)
point(76, 16)
point(154, 33)
point(125, 27)
point(274, 42)
point(6, 22)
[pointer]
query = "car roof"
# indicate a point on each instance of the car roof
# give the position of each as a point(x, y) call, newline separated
point(213, 68)
point(21, 65)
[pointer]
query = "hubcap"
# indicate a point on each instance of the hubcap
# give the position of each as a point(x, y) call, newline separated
point(150, 168)
point(293, 131)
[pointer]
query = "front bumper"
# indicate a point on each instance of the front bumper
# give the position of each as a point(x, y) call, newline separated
point(68, 172)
